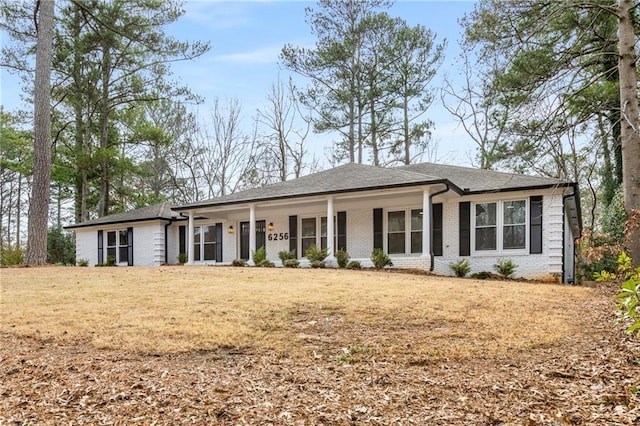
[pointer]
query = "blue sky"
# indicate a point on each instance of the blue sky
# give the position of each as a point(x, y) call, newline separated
point(247, 36)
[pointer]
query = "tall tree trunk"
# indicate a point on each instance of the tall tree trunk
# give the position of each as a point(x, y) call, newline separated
point(103, 203)
point(630, 123)
point(19, 211)
point(39, 205)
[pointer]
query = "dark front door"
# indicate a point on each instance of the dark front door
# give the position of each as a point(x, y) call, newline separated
point(261, 237)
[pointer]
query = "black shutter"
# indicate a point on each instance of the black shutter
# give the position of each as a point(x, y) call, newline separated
point(182, 239)
point(100, 248)
point(465, 228)
point(436, 218)
point(218, 242)
point(342, 231)
point(378, 237)
point(535, 224)
point(130, 246)
point(293, 233)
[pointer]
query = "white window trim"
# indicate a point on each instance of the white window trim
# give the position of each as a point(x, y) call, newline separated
point(318, 242)
point(407, 231)
point(201, 243)
point(500, 229)
point(117, 246)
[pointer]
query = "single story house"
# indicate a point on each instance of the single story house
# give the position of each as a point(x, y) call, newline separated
point(422, 215)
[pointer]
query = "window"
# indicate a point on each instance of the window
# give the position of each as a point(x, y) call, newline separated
point(307, 234)
point(323, 233)
point(123, 249)
point(395, 232)
point(416, 231)
point(204, 242)
point(397, 242)
point(515, 226)
point(196, 243)
point(486, 226)
point(118, 245)
point(112, 245)
point(501, 225)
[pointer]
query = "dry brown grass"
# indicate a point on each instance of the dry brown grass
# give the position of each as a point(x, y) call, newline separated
point(350, 315)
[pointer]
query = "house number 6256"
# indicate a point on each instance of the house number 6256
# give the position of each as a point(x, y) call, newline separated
point(278, 236)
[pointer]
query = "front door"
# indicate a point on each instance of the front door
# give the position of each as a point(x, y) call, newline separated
point(261, 237)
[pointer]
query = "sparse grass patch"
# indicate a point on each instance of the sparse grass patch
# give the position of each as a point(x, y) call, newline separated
point(293, 312)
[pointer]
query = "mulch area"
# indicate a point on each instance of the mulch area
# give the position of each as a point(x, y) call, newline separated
point(592, 378)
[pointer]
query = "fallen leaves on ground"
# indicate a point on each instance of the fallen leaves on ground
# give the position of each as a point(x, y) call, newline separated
point(592, 378)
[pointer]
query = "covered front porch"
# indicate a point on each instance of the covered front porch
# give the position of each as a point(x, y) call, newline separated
point(390, 219)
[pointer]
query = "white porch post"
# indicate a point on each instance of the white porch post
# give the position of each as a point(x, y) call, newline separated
point(252, 232)
point(190, 256)
point(330, 233)
point(426, 223)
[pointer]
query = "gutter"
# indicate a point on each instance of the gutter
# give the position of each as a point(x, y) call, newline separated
point(431, 255)
point(576, 195)
point(166, 240)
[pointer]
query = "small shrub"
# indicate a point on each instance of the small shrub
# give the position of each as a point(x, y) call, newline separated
point(628, 307)
point(266, 263)
point(460, 268)
point(83, 262)
point(111, 261)
point(182, 258)
point(291, 263)
point(354, 264)
point(239, 262)
point(285, 255)
point(315, 254)
point(380, 259)
point(505, 267)
point(259, 255)
point(12, 255)
point(342, 257)
point(483, 275)
point(318, 264)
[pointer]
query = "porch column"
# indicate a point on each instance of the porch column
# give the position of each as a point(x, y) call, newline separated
point(330, 233)
point(190, 256)
point(426, 223)
point(252, 232)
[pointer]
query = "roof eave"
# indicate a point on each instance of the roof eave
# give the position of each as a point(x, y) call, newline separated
point(317, 194)
point(117, 222)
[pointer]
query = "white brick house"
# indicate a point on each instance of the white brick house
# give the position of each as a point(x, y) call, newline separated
point(473, 214)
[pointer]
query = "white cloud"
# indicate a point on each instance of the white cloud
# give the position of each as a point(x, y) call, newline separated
point(262, 55)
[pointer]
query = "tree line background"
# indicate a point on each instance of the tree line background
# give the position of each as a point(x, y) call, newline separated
point(543, 91)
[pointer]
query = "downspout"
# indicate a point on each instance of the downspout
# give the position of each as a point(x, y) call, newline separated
point(166, 242)
point(431, 255)
point(564, 239)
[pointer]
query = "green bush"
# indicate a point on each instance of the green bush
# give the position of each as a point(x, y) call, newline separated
point(315, 254)
point(111, 261)
point(11, 255)
point(460, 268)
point(285, 255)
point(61, 247)
point(483, 275)
point(318, 264)
point(291, 263)
point(259, 256)
point(505, 267)
point(183, 258)
point(354, 264)
point(82, 262)
point(265, 263)
point(239, 262)
point(342, 257)
point(628, 307)
point(380, 259)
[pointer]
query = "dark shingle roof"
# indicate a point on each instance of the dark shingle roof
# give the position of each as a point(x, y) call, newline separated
point(351, 178)
point(346, 178)
point(156, 211)
point(472, 180)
